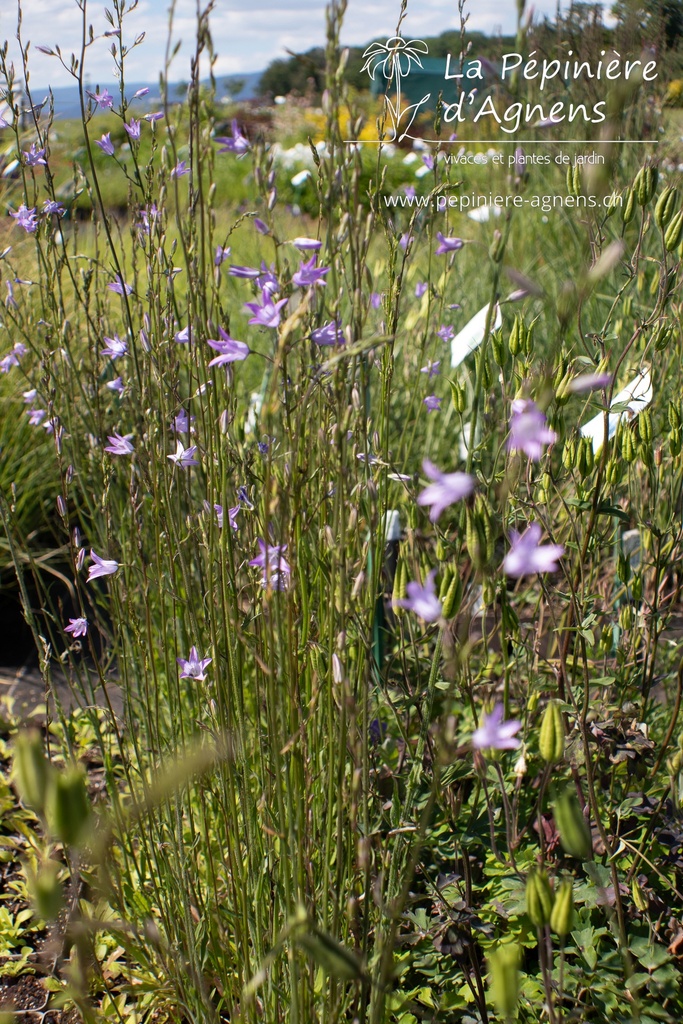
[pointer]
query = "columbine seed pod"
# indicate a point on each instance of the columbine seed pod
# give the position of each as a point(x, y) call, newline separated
point(674, 232)
point(674, 415)
point(400, 588)
point(675, 441)
point(569, 453)
point(475, 538)
point(551, 738)
point(69, 807)
point(459, 396)
point(613, 472)
point(666, 207)
point(562, 916)
point(637, 587)
point(645, 184)
point(629, 207)
point(628, 445)
point(626, 618)
point(539, 898)
point(31, 769)
point(445, 582)
point(576, 180)
point(46, 891)
point(498, 349)
point(451, 602)
point(517, 336)
point(504, 980)
point(573, 828)
point(645, 426)
point(662, 337)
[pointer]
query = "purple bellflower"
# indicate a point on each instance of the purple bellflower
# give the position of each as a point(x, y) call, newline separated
point(495, 734)
point(77, 627)
point(184, 457)
point(527, 556)
point(308, 275)
point(193, 667)
point(529, 430)
point(119, 445)
point(447, 244)
point(101, 566)
point(229, 350)
point(445, 489)
point(268, 314)
point(422, 600)
point(235, 143)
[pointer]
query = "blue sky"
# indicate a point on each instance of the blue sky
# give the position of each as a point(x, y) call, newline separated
point(247, 35)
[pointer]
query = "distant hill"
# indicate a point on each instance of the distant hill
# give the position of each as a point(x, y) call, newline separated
point(67, 103)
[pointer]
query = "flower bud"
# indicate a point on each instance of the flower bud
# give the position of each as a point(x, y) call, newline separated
point(539, 898)
point(69, 807)
point(562, 916)
point(31, 769)
point(504, 980)
point(45, 890)
point(573, 828)
point(551, 739)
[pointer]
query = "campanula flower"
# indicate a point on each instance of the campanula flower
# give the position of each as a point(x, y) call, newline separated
point(229, 350)
point(26, 218)
point(101, 566)
point(132, 129)
point(103, 99)
point(77, 627)
point(35, 157)
point(445, 489)
point(329, 334)
point(422, 600)
point(527, 556)
point(193, 667)
point(495, 734)
point(275, 567)
point(105, 144)
point(447, 244)
point(308, 275)
point(184, 457)
point(180, 169)
point(235, 143)
point(267, 314)
point(115, 347)
point(119, 445)
point(433, 403)
point(529, 430)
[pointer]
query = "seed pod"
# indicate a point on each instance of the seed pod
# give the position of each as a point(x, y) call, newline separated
point(517, 335)
point(562, 387)
point(551, 739)
point(458, 395)
point(504, 980)
point(400, 588)
point(576, 180)
point(498, 349)
point(497, 247)
point(613, 472)
point(637, 587)
point(645, 184)
point(662, 337)
point(626, 618)
point(645, 426)
point(674, 415)
point(675, 441)
point(475, 539)
point(569, 453)
point(588, 457)
point(451, 602)
point(31, 769)
point(69, 807)
point(562, 916)
point(573, 828)
point(539, 898)
point(629, 207)
point(666, 207)
point(445, 582)
point(440, 550)
point(570, 180)
point(674, 232)
point(628, 445)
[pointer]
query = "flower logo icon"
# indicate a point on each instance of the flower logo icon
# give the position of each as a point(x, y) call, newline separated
point(394, 59)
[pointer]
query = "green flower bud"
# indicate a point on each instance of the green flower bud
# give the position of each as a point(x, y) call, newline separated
point(674, 232)
point(562, 916)
point(68, 811)
point(551, 739)
point(32, 773)
point(504, 980)
point(46, 891)
point(539, 898)
point(666, 207)
point(575, 835)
